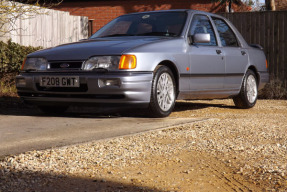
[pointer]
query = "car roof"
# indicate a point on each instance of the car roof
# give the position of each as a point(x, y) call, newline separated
point(158, 11)
point(177, 10)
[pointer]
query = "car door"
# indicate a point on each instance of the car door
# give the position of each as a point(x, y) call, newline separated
point(207, 65)
point(236, 57)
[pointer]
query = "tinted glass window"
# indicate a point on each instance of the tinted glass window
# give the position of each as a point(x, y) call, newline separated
point(202, 24)
point(145, 24)
point(227, 36)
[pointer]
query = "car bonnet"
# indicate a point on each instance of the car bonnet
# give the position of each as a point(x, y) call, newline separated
point(102, 46)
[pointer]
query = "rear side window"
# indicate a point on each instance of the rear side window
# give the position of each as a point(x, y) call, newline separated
point(202, 24)
point(227, 36)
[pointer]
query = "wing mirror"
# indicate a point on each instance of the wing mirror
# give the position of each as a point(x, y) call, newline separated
point(200, 38)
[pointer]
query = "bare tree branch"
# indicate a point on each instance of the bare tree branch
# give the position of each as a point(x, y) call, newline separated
point(11, 10)
point(229, 2)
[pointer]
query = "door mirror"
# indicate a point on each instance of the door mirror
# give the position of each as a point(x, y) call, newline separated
point(201, 38)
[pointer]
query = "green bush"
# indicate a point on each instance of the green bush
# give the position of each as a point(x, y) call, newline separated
point(7, 85)
point(12, 56)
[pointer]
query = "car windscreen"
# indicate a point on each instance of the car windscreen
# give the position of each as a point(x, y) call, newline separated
point(146, 24)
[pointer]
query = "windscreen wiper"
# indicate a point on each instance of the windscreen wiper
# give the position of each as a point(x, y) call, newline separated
point(117, 35)
point(166, 34)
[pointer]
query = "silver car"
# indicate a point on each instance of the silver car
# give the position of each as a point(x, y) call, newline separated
point(148, 60)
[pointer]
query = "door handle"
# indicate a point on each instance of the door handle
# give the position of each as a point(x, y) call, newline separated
point(243, 53)
point(218, 52)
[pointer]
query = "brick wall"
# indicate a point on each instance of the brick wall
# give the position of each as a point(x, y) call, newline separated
point(104, 11)
point(281, 5)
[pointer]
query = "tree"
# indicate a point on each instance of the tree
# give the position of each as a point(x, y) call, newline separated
point(270, 5)
point(11, 10)
point(249, 2)
point(230, 2)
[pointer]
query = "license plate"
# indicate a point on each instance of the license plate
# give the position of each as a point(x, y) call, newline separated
point(59, 81)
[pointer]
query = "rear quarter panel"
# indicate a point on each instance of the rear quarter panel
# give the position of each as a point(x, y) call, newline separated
point(257, 59)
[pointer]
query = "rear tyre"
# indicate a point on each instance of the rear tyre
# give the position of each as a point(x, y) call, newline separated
point(53, 110)
point(163, 92)
point(248, 94)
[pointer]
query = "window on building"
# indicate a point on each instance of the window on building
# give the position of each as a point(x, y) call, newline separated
point(90, 27)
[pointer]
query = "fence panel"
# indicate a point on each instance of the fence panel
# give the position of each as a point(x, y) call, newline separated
point(48, 29)
point(268, 29)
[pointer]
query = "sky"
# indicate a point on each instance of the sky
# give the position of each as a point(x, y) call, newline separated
point(260, 2)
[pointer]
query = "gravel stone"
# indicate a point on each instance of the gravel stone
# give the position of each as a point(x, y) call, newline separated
point(251, 142)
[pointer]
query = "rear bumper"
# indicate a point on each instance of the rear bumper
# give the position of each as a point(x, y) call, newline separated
point(133, 88)
point(264, 79)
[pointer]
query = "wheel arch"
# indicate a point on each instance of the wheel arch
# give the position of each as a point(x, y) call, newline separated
point(253, 68)
point(174, 71)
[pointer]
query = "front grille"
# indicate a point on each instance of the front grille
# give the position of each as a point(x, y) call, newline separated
point(82, 88)
point(65, 65)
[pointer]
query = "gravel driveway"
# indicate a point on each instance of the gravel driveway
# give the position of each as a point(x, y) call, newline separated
point(234, 150)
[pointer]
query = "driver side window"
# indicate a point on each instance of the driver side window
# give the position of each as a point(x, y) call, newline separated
point(202, 24)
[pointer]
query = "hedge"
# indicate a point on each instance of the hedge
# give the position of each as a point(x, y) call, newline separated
point(12, 56)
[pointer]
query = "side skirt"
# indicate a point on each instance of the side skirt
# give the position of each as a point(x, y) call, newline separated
point(208, 94)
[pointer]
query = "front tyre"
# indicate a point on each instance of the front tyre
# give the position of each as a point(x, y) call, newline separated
point(163, 92)
point(248, 94)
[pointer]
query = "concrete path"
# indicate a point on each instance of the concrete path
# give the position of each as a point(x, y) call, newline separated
point(24, 133)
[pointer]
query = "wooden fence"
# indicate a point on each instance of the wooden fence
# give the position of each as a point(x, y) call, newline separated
point(269, 29)
point(50, 28)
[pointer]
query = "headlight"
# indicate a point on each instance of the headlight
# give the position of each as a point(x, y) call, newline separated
point(102, 62)
point(35, 64)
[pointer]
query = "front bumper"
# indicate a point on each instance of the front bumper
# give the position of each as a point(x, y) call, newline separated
point(133, 88)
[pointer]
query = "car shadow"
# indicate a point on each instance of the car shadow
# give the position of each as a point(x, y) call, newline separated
point(186, 106)
point(26, 180)
point(16, 107)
